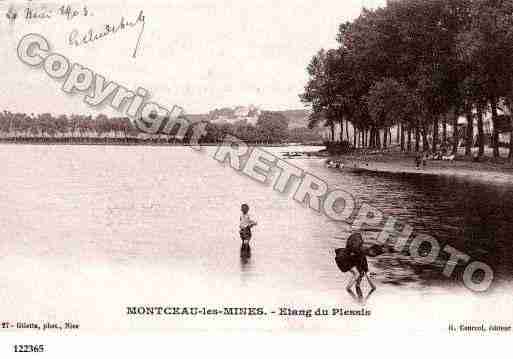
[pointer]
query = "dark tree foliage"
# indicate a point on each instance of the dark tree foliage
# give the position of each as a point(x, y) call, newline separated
point(417, 64)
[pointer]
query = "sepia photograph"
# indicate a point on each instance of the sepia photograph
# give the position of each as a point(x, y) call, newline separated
point(218, 166)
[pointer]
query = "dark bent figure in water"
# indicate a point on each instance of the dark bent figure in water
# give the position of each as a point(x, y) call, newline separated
point(353, 259)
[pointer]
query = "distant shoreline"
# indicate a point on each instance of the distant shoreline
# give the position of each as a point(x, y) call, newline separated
point(91, 141)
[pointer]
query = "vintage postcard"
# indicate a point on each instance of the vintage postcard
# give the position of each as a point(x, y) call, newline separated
point(341, 167)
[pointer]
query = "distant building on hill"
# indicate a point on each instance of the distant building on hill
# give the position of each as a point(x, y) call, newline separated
point(248, 114)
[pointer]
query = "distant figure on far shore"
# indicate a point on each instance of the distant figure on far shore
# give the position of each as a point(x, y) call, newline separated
point(417, 160)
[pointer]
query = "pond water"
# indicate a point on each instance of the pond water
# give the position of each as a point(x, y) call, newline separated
point(87, 230)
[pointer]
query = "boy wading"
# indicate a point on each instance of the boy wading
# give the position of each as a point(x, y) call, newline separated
point(245, 225)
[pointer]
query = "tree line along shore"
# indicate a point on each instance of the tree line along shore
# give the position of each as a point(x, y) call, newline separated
point(439, 72)
point(272, 128)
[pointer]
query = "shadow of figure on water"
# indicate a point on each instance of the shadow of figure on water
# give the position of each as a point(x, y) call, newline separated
point(245, 254)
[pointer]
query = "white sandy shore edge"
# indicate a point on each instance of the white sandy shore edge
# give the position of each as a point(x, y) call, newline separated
point(499, 176)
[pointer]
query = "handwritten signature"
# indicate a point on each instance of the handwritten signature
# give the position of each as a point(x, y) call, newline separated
point(76, 38)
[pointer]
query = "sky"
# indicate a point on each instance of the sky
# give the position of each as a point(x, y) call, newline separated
point(198, 54)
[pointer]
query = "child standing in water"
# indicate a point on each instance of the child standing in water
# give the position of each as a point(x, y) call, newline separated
point(245, 225)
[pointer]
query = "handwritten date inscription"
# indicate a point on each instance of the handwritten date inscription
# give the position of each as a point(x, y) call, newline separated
point(66, 11)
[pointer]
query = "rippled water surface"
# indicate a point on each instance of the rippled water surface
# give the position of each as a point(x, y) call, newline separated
point(140, 225)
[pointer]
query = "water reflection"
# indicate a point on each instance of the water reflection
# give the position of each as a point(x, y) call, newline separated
point(471, 216)
point(246, 266)
point(171, 210)
point(245, 255)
